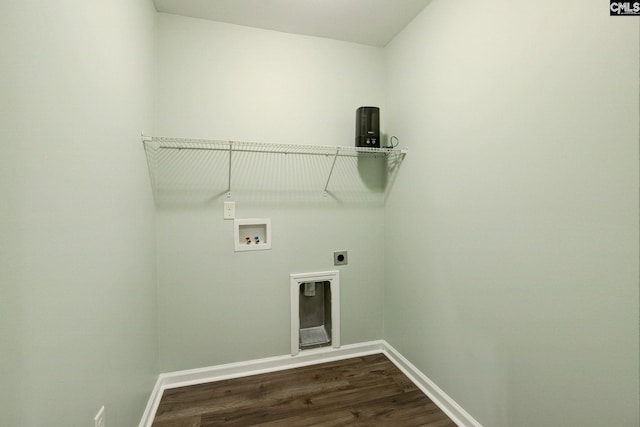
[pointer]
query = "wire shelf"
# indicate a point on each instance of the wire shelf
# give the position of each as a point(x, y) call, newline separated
point(171, 143)
point(158, 148)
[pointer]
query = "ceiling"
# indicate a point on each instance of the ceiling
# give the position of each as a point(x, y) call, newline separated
point(370, 22)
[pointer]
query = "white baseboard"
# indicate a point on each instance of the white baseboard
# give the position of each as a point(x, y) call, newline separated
point(428, 387)
point(305, 358)
point(152, 405)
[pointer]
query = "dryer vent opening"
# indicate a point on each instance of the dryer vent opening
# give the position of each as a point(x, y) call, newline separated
point(315, 310)
point(314, 306)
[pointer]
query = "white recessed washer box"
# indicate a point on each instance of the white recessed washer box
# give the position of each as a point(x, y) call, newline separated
point(252, 234)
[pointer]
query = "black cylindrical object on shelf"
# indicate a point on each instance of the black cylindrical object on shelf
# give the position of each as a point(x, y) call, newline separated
point(368, 127)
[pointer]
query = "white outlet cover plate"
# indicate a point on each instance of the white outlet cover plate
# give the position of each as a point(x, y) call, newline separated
point(229, 210)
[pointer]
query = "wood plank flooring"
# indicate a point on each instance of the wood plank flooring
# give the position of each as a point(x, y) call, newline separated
point(362, 391)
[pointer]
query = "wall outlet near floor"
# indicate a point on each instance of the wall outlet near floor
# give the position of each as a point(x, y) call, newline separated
point(99, 418)
point(229, 210)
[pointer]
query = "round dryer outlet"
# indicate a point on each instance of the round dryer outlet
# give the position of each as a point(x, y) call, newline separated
point(340, 258)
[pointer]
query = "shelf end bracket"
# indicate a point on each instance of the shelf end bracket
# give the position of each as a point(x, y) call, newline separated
point(229, 182)
point(333, 165)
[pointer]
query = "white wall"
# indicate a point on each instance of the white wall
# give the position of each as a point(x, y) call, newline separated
point(77, 262)
point(222, 81)
point(511, 234)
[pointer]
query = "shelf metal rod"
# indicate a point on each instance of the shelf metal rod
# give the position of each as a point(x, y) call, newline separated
point(305, 153)
point(333, 165)
point(229, 186)
point(165, 143)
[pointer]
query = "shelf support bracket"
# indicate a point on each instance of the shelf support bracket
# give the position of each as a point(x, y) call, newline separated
point(229, 182)
point(333, 165)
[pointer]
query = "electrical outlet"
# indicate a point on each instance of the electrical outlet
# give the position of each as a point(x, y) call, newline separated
point(340, 258)
point(229, 210)
point(99, 418)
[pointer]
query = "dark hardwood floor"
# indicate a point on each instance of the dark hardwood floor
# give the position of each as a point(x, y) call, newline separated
point(363, 391)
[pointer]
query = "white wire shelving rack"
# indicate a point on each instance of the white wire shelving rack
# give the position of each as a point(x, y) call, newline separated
point(155, 143)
